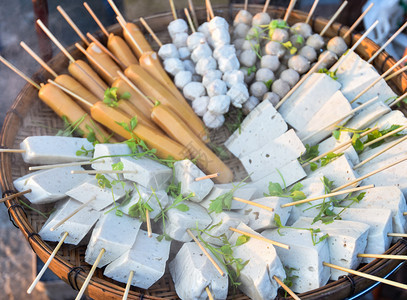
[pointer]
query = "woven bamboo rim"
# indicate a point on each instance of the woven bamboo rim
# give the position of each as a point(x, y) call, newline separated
point(28, 116)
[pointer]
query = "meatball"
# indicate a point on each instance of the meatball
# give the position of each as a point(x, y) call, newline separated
point(329, 59)
point(272, 97)
point(243, 17)
point(274, 48)
point(337, 45)
point(315, 41)
point(238, 43)
point(194, 90)
point(173, 66)
point(180, 39)
point(280, 87)
point(240, 31)
point(220, 37)
point(264, 75)
point(280, 35)
point(270, 61)
point(250, 104)
point(229, 63)
point(195, 39)
point(248, 58)
point(302, 28)
point(182, 79)
point(210, 76)
point(168, 51)
point(248, 74)
point(213, 121)
point(258, 89)
point(233, 77)
point(225, 51)
point(299, 64)
point(200, 105)
point(297, 41)
point(290, 76)
point(184, 53)
point(218, 23)
point(177, 26)
point(261, 18)
point(219, 104)
point(189, 66)
point(202, 51)
point(216, 87)
point(205, 64)
point(309, 53)
point(238, 94)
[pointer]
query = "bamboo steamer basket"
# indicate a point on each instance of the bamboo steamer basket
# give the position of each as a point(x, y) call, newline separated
point(28, 116)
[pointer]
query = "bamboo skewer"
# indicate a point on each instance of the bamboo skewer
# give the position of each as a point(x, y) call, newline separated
point(136, 89)
point(386, 135)
point(21, 74)
point(148, 221)
point(370, 174)
point(71, 93)
point(357, 22)
point(96, 19)
point(38, 59)
point(193, 12)
point(387, 43)
point(385, 256)
point(207, 177)
point(368, 276)
point(88, 278)
point(12, 151)
point(15, 195)
point(402, 97)
point(338, 147)
point(173, 10)
point(72, 24)
point(266, 6)
point(289, 9)
point(210, 9)
point(404, 213)
point(105, 50)
point(403, 69)
point(253, 204)
point(79, 163)
point(151, 32)
point(206, 253)
point(329, 195)
point(286, 288)
point(117, 11)
point(45, 267)
point(246, 4)
point(191, 24)
point(123, 25)
point(208, 291)
point(403, 235)
point(338, 12)
point(311, 12)
point(102, 172)
point(261, 238)
point(127, 290)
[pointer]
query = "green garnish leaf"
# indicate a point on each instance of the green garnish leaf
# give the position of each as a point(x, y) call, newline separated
point(118, 166)
point(269, 84)
point(310, 153)
point(103, 182)
point(242, 240)
point(182, 207)
point(327, 72)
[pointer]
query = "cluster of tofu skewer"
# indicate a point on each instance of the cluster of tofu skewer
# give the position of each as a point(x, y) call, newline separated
point(254, 156)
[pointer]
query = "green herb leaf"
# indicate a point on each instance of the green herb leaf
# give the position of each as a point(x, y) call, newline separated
point(268, 84)
point(242, 240)
point(310, 153)
point(118, 166)
point(182, 207)
point(126, 96)
point(336, 134)
point(119, 213)
point(133, 123)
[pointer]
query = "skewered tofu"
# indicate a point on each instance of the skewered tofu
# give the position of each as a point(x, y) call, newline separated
point(179, 221)
point(147, 172)
point(114, 234)
point(310, 271)
point(49, 185)
point(147, 258)
point(257, 276)
point(45, 150)
point(391, 154)
point(346, 240)
point(265, 122)
point(192, 272)
point(77, 226)
point(395, 117)
point(380, 223)
point(368, 115)
point(110, 154)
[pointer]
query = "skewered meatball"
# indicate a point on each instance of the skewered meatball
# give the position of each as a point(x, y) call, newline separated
point(258, 89)
point(238, 43)
point(189, 66)
point(204, 28)
point(177, 26)
point(210, 76)
point(248, 76)
point(248, 44)
point(280, 70)
point(248, 58)
point(168, 51)
point(202, 51)
point(240, 31)
point(220, 37)
point(299, 64)
point(309, 53)
point(301, 28)
point(264, 75)
point(272, 97)
point(261, 19)
point(280, 87)
point(216, 87)
point(194, 90)
point(173, 66)
point(270, 61)
point(200, 105)
point(233, 77)
point(180, 39)
point(274, 48)
point(337, 45)
point(280, 35)
point(219, 104)
point(182, 79)
point(329, 59)
point(238, 94)
point(205, 64)
point(250, 104)
point(256, 32)
point(184, 53)
point(229, 63)
point(315, 41)
point(195, 39)
point(284, 60)
point(225, 51)
point(243, 16)
point(213, 121)
point(218, 23)
point(290, 76)
point(297, 41)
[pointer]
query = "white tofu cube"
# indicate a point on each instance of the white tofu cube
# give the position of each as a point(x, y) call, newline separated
point(368, 115)
point(395, 117)
point(110, 154)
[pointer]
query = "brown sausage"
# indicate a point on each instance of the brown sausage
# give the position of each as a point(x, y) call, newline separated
point(139, 37)
point(179, 131)
point(130, 110)
point(121, 50)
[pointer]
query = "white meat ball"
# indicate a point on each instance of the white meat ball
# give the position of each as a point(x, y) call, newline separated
point(315, 41)
point(200, 105)
point(303, 29)
point(168, 51)
point(219, 104)
point(182, 79)
point(225, 51)
point(258, 89)
point(250, 104)
point(195, 39)
point(205, 64)
point(270, 62)
point(256, 32)
point(248, 74)
point(248, 44)
point(220, 37)
point(213, 121)
point(309, 53)
point(274, 48)
point(264, 75)
point(202, 51)
point(233, 77)
point(329, 59)
point(173, 66)
point(189, 65)
point(280, 35)
point(210, 76)
point(261, 18)
point(217, 23)
point(238, 94)
point(194, 90)
point(280, 87)
point(216, 87)
point(243, 16)
point(180, 40)
point(230, 63)
point(290, 76)
point(248, 58)
point(184, 53)
point(337, 45)
point(297, 41)
point(204, 28)
point(177, 26)
point(240, 31)
point(299, 64)
point(280, 70)
point(239, 43)
point(272, 97)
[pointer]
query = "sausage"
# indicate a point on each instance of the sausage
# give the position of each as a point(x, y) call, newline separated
point(139, 37)
point(165, 146)
point(153, 89)
point(130, 110)
point(64, 106)
point(121, 50)
point(110, 68)
point(179, 131)
point(83, 73)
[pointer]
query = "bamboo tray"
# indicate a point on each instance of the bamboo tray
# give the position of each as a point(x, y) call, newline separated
point(28, 116)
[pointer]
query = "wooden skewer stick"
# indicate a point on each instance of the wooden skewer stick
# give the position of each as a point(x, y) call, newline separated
point(339, 147)
point(151, 32)
point(210, 9)
point(253, 204)
point(83, 100)
point(93, 15)
point(328, 195)
point(385, 256)
point(246, 4)
point(402, 97)
point(127, 290)
point(12, 151)
point(401, 29)
point(299, 83)
point(191, 24)
point(173, 10)
point(102, 172)
point(386, 135)
point(369, 174)
point(286, 288)
point(72, 214)
point(117, 11)
point(72, 24)
point(21, 74)
point(45, 267)
point(403, 69)
point(15, 195)
point(380, 78)
point(88, 278)
point(357, 22)
point(105, 50)
point(123, 25)
point(206, 253)
point(338, 12)
point(404, 213)
point(404, 235)
point(193, 12)
point(136, 89)
point(148, 221)
point(289, 9)
point(208, 291)
point(311, 12)
point(336, 122)
point(261, 238)
point(79, 163)
point(368, 276)
point(207, 177)
point(266, 6)
point(38, 59)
